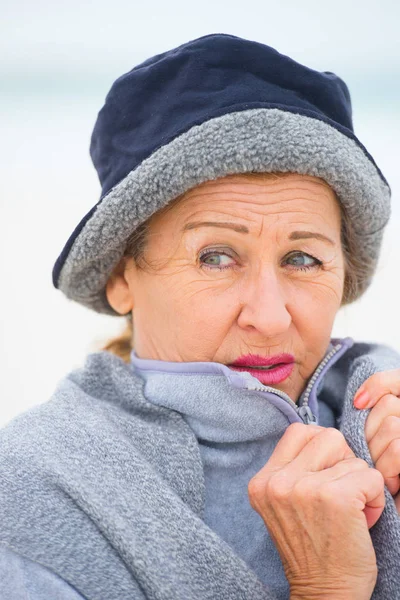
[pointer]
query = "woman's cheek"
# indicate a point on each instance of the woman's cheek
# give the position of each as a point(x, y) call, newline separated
point(313, 308)
point(325, 290)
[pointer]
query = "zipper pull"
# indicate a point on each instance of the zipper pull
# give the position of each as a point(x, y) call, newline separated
point(306, 414)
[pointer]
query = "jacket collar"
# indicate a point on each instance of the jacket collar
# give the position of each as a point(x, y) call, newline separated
point(167, 384)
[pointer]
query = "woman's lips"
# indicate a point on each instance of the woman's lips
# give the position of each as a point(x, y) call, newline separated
point(270, 376)
point(276, 368)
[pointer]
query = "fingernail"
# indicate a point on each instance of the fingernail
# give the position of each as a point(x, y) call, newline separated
point(361, 400)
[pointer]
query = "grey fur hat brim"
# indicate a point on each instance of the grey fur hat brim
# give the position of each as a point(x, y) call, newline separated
point(261, 140)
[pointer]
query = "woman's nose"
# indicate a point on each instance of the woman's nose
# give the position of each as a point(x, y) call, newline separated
point(264, 306)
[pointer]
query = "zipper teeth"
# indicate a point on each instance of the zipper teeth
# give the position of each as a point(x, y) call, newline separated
point(267, 388)
point(327, 358)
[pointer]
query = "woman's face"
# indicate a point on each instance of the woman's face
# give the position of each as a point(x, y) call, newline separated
point(240, 266)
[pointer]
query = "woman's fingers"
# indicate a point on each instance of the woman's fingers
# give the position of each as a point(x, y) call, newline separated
point(382, 432)
point(389, 465)
point(365, 490)
point(306, 485)
point(305, 449)
point(388, 405)
point(385, 452)
point(322, 458)
point(322, 451)
point(296, 436)
point(349, 483)
point(376, 386)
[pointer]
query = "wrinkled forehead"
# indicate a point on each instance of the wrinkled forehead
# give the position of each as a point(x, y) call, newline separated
point(254, 197)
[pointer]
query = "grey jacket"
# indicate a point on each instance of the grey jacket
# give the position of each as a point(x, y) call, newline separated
point(105, 489)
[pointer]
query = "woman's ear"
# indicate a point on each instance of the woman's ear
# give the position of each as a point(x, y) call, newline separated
point(118, 292)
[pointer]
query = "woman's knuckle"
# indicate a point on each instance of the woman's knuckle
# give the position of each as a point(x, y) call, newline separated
point(358, 464)
point(303, 489)
point(388, 402)
point(278, 488)
point(255, 492)
point(332, 431)
point(376, 476)
point(379, 379)
point(394, 448)
point(255, 488)
point(297, 430)
point(335, 437)
point(391, 424)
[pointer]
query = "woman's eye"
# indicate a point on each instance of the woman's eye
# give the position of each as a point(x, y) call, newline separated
point(215, 259)
point(303, 261)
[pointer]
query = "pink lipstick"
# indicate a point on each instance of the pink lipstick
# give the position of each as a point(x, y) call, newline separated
point(269, 370)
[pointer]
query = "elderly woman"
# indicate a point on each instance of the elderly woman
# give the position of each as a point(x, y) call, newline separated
point(220, 455)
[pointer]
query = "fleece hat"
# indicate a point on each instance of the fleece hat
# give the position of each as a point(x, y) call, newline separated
point(215, 106)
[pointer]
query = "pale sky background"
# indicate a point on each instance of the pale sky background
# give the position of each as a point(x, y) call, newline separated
point(57, 63)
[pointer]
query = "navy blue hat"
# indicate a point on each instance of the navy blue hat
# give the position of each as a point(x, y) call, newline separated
point(215, 106)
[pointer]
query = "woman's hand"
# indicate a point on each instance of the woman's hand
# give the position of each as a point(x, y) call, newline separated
point(318, 501)
point(382, 428)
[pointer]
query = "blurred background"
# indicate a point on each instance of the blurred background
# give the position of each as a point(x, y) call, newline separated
point(58, 61)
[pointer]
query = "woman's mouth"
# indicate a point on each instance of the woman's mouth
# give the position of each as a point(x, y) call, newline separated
point(268, 371)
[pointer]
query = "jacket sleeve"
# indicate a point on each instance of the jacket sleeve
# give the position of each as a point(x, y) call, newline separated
point(21, 578)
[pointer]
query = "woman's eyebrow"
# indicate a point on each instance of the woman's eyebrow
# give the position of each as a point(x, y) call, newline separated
point(305, 235)
point(195, 224)
point(295, 235)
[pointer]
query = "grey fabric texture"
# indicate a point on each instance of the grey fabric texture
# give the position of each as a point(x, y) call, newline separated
point(23, 579)
point(261, 140)
point(107, 490)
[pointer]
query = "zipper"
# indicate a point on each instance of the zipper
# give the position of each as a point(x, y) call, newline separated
point(306, 396)
point(303, 410)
